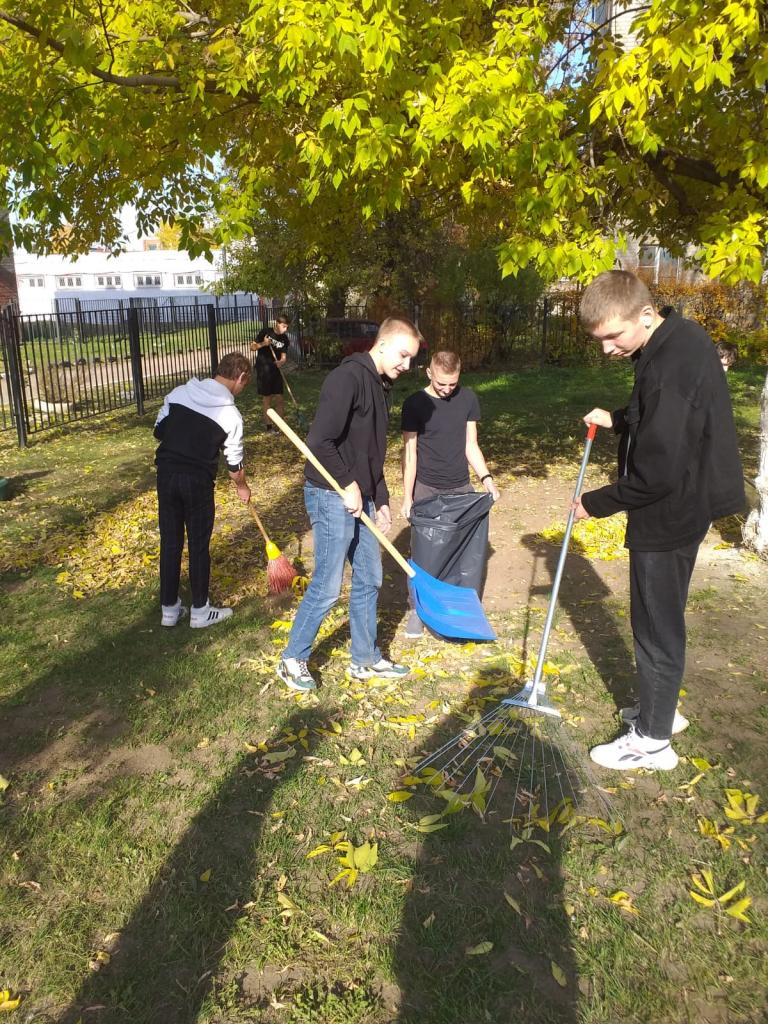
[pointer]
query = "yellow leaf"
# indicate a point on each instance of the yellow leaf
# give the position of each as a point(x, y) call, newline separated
point(558, 974)
point(4, 783)
point(738, 910)
point(206, 876)
point(479, 950)
point(365, 856)
point(6, 1003)
point(702, 764)
point(703, 900)
point(731, 892)
point(323, 848)
point(399, 796)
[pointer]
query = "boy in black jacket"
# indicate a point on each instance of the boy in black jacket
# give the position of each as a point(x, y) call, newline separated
point(679, 469)
point(197, 421)
point(349, 437)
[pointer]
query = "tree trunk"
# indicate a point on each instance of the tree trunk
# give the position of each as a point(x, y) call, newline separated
point(756, 528)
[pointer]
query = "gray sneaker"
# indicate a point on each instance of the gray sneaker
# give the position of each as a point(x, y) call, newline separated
point(295, 674)
point(171, 613)
point(383, 669)
point(414, 627)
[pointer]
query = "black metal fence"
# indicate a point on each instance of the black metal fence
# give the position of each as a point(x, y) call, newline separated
point(81, 362)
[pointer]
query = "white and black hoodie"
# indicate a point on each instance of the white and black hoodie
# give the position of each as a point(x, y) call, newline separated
point(197, 420)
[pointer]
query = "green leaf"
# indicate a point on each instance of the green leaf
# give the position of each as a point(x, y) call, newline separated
point(479, 950)
point(558, 974)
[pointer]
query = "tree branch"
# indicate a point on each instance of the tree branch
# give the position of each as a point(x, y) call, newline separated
point(152, 80)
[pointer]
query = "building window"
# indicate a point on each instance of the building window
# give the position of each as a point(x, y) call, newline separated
point(148, 280)
point(189, 279)
point(70, 282)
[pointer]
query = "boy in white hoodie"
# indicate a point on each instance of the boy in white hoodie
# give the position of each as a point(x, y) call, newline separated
point(197, 421)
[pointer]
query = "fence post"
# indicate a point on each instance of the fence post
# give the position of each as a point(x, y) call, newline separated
point(10, 338)
point(134, 345)
point(544, 331)
point(213, 341)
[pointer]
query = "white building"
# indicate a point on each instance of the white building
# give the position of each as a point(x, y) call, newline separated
point(50, 283)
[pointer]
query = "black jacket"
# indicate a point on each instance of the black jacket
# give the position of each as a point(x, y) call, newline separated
point(679, 465)
point(349, 432)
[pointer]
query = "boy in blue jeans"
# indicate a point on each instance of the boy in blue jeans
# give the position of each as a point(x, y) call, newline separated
point(349, 437)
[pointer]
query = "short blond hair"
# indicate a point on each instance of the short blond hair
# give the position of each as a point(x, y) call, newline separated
point(614, 293)
point(398, 325)
point(448, 362)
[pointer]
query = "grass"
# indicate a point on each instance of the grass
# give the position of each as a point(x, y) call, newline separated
point(165, 792)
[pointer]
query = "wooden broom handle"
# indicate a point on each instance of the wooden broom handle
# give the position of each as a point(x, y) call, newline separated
point(296, 440)
point(280, 371)
point(259, 523)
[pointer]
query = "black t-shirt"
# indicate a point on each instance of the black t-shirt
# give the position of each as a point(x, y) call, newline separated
point(441, 426)
point(278, 344)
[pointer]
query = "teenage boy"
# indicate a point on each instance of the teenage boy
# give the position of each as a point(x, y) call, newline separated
point(197, 420)
point(439, 425)
point(679, 469)
point(727, 353)
point(349, 437)
point(271, 348)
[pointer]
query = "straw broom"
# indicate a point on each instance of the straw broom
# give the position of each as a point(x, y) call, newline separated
point(280, 571)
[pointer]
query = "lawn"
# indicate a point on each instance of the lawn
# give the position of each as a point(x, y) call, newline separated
point(175, 820)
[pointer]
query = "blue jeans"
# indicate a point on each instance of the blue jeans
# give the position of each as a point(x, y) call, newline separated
point(338, 536)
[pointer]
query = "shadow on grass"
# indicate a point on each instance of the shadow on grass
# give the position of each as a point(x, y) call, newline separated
point(457, 903)
point(90, 687)
point(582, 597)
point(171, 947)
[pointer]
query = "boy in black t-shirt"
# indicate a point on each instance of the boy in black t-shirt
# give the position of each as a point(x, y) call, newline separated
point(271, 347)
point(439, 425)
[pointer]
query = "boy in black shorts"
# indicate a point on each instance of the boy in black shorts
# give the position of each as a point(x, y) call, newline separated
point(271, 348)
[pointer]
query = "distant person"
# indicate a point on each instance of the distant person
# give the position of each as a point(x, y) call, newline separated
point(349, 437)
point(271, 347)
point(728, 354)
point(439, 425)
point(197, 421)
point(679, 469)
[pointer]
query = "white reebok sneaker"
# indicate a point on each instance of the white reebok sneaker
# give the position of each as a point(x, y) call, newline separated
point(632, 751)
point(172, 613)
point(200, 618)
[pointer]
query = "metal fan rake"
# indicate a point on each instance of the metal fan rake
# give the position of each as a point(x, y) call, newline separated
point(512, 748)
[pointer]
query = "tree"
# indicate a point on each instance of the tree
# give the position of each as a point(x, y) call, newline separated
point(529, 115)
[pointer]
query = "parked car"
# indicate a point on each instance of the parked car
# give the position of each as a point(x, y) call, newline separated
point(339, 337)
point(353, 335)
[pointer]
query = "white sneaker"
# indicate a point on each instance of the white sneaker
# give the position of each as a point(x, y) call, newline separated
point(294, 673)
point(208, 616)
point(383, 669)
point(631, 715)
point(632, 751)
point(172, 613)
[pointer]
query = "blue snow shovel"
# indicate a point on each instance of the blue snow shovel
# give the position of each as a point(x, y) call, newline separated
point(451, 611)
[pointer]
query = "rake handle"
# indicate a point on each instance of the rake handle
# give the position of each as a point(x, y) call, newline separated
point(285, 382)
point(259, 523)
point(591, 432)
point(294, 438)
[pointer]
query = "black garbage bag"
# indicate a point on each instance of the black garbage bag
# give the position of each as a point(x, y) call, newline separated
point(449, 537)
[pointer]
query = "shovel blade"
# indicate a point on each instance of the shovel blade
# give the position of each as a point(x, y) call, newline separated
point(451, 611)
